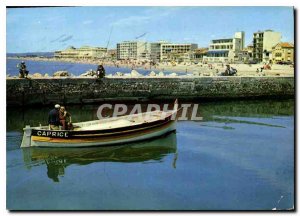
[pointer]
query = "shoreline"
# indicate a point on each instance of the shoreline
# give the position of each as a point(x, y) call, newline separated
point(196, 70)
point(117, 63)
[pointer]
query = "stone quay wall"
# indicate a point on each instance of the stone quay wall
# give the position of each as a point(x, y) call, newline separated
point(45, 91)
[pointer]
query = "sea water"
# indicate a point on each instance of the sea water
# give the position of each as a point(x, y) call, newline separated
point(239, 157)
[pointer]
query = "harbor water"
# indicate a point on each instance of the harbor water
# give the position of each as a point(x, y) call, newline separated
point(239, 157)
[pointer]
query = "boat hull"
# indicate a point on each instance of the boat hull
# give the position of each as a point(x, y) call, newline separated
point(88, 140)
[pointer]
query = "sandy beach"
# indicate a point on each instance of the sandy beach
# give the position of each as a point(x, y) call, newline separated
point(199, 69)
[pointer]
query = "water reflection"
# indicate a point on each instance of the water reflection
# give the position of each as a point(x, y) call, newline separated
point(58, 159)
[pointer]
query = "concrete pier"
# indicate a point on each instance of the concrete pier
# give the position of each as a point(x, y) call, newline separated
point(44, 91)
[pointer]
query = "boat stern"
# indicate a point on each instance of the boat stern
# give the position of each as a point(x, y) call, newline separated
point(26, 141)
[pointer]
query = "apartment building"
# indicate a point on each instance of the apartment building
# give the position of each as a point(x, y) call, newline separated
point(263, 42)
point(155, 50)
point(132, 50)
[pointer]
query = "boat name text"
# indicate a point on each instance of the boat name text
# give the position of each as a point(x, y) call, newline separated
point(52, 133)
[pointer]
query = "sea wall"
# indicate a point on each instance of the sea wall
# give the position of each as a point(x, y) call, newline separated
point(44, 91)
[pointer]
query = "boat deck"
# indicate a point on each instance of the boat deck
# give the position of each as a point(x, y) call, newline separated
point(117, 122)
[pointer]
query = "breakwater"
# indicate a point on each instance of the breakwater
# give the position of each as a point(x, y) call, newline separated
point(44, 91)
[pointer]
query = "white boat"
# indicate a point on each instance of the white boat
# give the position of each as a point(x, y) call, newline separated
point(111, 131)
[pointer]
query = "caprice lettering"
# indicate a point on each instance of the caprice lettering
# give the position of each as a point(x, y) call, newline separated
point(52, 133)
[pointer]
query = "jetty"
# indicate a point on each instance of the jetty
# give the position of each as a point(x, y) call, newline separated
point(67, 90)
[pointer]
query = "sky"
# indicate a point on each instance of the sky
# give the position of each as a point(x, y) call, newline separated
point(56, 28)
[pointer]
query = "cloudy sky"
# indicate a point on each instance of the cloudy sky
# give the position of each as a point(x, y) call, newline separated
point(55, 28)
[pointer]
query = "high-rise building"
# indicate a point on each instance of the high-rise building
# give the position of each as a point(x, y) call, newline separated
point(132, 50)
point(263, 41)
point(155, 48)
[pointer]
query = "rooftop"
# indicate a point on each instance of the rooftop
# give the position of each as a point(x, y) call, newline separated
point(180, 44)
point(285, 45)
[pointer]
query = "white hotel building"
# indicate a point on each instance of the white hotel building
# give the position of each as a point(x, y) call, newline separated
point(225, 50)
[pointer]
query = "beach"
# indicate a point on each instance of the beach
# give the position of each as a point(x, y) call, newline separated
point(199, 69)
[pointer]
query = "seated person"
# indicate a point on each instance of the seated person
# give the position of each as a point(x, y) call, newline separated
point(100, 71)
point(65, 118)
point(23, 72)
